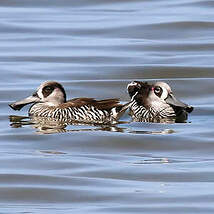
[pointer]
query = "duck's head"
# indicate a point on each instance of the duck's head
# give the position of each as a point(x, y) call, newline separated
point(50, 92)
point(159, 92)
point(163, 92)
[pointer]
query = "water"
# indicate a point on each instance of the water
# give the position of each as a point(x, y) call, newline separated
point(94, 48)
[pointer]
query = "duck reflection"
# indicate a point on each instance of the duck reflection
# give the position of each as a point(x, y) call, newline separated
point(158, 120)
point(53, 126)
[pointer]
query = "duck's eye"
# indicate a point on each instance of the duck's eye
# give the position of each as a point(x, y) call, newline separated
point(158, 91)
point(48, 89)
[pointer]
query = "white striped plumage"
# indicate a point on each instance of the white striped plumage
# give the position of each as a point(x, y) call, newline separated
point(82, 114)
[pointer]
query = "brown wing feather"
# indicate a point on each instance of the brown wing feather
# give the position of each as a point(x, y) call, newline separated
point(106, 104)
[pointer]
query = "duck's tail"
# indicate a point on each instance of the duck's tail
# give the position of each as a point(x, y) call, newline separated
point(118, 111)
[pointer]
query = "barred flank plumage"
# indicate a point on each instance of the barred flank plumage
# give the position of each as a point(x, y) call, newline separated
point(139, 112)
point(85, 113)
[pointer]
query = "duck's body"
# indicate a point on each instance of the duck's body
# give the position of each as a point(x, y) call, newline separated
point(50, 101)
point(81, 110)
point(155, 102)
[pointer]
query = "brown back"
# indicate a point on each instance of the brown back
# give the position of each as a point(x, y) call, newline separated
point(106, 104)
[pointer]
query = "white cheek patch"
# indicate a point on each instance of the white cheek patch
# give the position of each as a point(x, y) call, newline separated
point(56, 93)
point(164, 94)
point(56, 97)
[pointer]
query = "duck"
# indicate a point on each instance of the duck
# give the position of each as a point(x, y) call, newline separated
point(49, 101)
point(155, 102)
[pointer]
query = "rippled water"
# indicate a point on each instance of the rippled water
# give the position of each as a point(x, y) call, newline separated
point(94, 48)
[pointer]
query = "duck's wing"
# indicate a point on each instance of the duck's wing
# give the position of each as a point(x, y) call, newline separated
point(106, 104)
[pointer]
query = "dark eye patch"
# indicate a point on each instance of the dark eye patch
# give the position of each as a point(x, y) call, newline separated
point(47, 90)
point(158, 91)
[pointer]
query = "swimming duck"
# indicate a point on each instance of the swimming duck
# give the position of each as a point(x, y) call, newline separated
point(154, 102)
point(50, 101)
